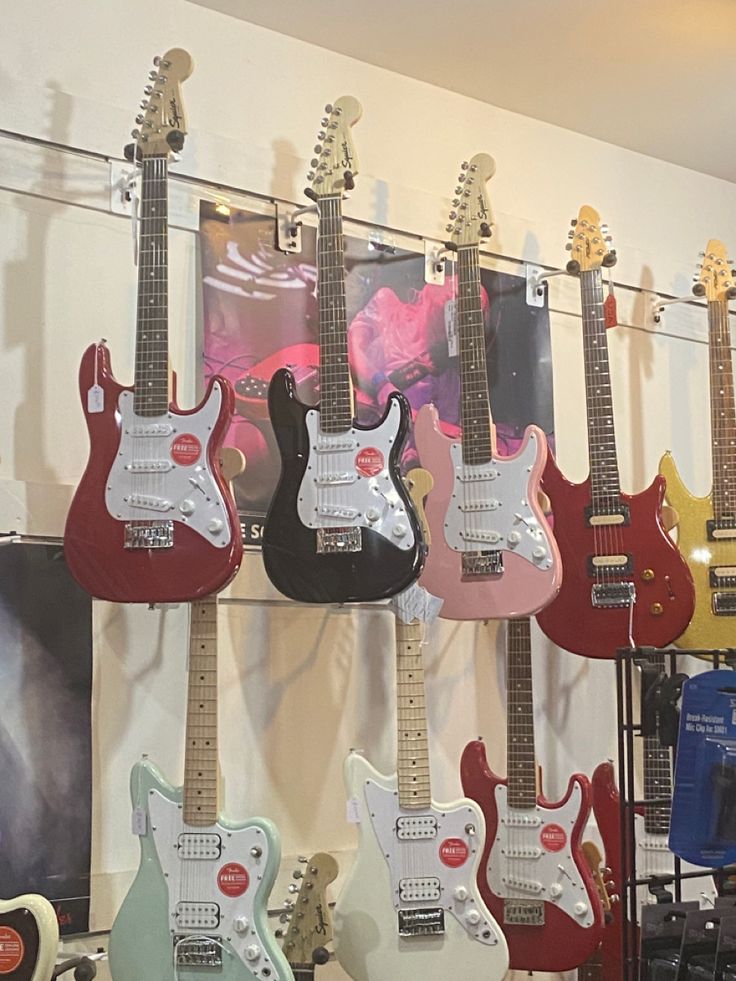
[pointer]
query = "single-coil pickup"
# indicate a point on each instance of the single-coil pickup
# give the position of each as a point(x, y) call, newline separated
point(147, 502)
point(721, 528)
point(331, 511)
point(197, 916)
point(722, 576)
point(530, 852)
point(416, 827)
point(149, 466)
point(483, 537)
point(596, 517)
point(326, 444)
point(335, 479)
point(416, 890)
point(613, 594)
point(475, 506)
point(197, 951)
point(198, 847)
point(724, 604)
point(531, 886)
point(654, 845)
point(521, 820)
point(477, 476)
point(619, 565)
point(526, 912)
point(144, 430)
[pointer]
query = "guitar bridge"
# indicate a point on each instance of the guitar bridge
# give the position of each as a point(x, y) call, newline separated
point(613, 594)
point(524, 912)
point(486, 563)
point(724, 604)
point(197, 951)
point(421, 922)
point(149, 534)
point(334, 540)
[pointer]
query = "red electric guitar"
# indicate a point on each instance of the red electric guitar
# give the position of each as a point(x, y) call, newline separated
point(624, 582)
point(608, 961)
point(533, 875)
point(153, 520)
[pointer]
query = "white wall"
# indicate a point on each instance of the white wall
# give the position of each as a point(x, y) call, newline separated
point(300, 685)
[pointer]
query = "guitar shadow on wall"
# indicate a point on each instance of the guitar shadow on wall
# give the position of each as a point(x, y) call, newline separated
point(640, 362)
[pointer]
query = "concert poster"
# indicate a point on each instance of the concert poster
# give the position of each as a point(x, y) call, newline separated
point(45, 732)
point(260, 314)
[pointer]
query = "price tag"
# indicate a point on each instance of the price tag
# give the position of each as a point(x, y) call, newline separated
point(95, 399)
point(139, 822)
point(415, 603)
point(353, 811)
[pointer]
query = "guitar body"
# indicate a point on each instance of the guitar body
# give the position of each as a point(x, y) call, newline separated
point(664, 586)
point(367, 940)
point(29, 938)
point(120, 479)
point(606, 810)
point(573, 921)
point(380, 568)
point(706, 629)
point(251, 389)
point(225, 896)
point(531, 569)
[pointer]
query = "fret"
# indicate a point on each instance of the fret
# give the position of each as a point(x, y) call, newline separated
point(475, 406)
point(522, 773)
point(200, 761)
point(151, 391)
point(413, 749)
point(722, 410)
point(604, 473)
point(657, 769)
point(336, 393)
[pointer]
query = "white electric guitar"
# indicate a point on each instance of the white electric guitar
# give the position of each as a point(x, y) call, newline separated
point(29, 938)
point(411, 906)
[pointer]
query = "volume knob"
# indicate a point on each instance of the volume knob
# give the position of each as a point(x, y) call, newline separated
point(472, 917)
point(555, 890)
point(187, 506)
point(215, 526)
point(240, 924)
point(580, 909)
point(460, 893)
point(252, 952)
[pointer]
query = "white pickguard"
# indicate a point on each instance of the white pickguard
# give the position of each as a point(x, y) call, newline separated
point(158, 474)
point(489, 507)
point(196, 881)
point(340, 487)
point(653, 857)
point(420, 859)
point(522, 865)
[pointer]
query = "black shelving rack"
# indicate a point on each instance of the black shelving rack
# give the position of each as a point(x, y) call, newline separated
point(631, 724)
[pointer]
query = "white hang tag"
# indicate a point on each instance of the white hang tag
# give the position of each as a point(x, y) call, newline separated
point(95, 399)
point(415, 603)
point(352, 811)
point(139, 822)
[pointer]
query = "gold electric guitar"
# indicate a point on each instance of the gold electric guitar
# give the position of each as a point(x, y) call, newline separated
point(707, 525)
point(310, 929)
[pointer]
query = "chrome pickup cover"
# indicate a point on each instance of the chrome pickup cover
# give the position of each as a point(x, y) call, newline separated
point(526, 912)
point(149, 535)
point(613, 594)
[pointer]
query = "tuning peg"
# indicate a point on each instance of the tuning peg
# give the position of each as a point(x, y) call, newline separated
point(157, 61)
point(293, 887)
point(449, 227)
point(318, 148)
point(461, 178)
point(297, 874)
point(464, 165)
point(302, 860)
point(571, 234)
point(349, 182)
point(279, 933)
point(608, 238)
point(283, 917)
point(135, 133)
point(289, 904)
point(568, 246)
point(604, 228)
point(485, 230)
point(573, 222)
point(731, 292)
point(321, 135)
point(320, 955)
point(148, 89)
point(452, 215)
point(139, 118)
point(153, 75)
point(144, 104)
point(610, 258)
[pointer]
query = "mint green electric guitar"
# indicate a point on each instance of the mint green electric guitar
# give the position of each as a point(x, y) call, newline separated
point(197, 908)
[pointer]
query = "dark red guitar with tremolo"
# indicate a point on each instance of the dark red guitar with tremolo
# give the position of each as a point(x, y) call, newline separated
point(153, 520)
point(533, 875)
point(624, 582)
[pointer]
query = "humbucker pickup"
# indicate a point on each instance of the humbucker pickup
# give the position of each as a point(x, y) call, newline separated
point(414, 828)
point(614, 565)
point(197, 916)
point(195, 847)
point(722, 576)
point(618, 514)
point(333, 540)
point(421, 922)
point(613, 594)
point(525, 912)
point(720, 529)
point(485, 563)
point(149, 535)
point(724, 604)
point(416, 890)
point(197, 951)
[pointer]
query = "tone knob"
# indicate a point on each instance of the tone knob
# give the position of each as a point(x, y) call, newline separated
point(252, 952)
point(187, 506)
point(580, 908)
point(460, 893)
point(215, 526)
point(555, 890)
point(539, 552)
point(400, 530)
point(240, 924)
point(472, 917)
point(514, 537)
point(373, 514)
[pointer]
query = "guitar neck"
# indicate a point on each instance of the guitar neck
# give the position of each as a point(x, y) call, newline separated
point(302, 972)
point(722, 411)
point(413, 750)
point(151, 394)
point(657, 775)
point(475, 404)
point(522, 777)
point(200, 760)
point(336, 393)
point(604, 477)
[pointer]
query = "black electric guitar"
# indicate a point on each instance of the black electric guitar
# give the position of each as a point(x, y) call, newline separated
point(310, 929)
point(341, 527)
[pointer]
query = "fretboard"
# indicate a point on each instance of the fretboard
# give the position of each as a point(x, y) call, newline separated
point(605, 487)
point(522, 775)
point(302, 972)
point(413, 752)
point(475, 405)
point(151, 395)
point(657, 776)
point(200, 760)
point(722, 412)
point(336, 394)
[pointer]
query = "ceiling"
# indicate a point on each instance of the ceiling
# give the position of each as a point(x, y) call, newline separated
point(656, 76)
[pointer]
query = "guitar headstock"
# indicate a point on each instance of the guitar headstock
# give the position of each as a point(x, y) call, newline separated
point(310, 927)
point(335, 163)
point(715, 280)
point(591, 244)
point(162, 122)
point(471, 216)
point(601, 876)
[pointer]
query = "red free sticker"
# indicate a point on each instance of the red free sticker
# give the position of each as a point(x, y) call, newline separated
point(553, 838)
point(233, 879)
point(186, 449)
point(12, 949)
point(453, 852)
point(369, 461)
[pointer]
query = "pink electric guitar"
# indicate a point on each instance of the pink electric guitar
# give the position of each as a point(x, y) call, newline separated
point(493, 554)
point(533, 875)
point(152, 520)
